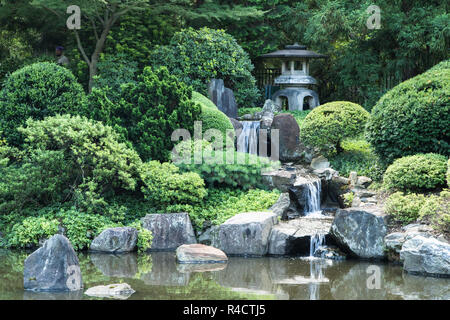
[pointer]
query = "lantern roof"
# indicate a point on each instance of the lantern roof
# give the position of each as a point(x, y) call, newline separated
point(293, 51)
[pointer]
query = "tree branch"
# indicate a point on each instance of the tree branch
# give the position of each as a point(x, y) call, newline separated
point(80, 47)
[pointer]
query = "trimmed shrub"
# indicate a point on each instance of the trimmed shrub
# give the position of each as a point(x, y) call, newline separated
point(37, 91)
point(68, 159)
point(197, 56)
point(148, 112)
point(164, 185)
point(327, 125)
point(229, 168)
point(436, 211)
point(199, 98)
point(418, 172)
point(404, 208)
point(413, 117)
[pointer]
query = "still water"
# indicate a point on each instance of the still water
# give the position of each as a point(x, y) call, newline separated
point(158, 276)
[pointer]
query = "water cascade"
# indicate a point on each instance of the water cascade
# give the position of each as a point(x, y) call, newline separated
point(313, 197)
point(248, 139)
point(316, 241)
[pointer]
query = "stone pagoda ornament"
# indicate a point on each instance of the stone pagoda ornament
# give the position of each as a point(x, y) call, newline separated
point(296, 85)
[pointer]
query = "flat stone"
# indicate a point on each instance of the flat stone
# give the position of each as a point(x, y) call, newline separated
point(53, 267)
point(170, 230)
point(279, 179)
point(115, 240)
point(293, 237)
point(426, 256)
point(246, 233)
point(200, 253)
point(361, 231)
point(120, 291)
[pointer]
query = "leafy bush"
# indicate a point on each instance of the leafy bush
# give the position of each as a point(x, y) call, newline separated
point(327, 125)
point(199, 98)
point(37, 91)
point(230, 168)
point(68, 159)
point(148, 112)
point(357, 155)
point(222, 204)
point(197, 56)
point(436, 211)
point(243, 111)
point(421, 171)
point(404, 208)
point(448, 173)
point(31, 230)
point(413, 117)
point(164, 185)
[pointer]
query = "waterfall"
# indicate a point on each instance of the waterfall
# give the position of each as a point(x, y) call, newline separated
point(316, 241)
point(248, 139)
point(313, 197)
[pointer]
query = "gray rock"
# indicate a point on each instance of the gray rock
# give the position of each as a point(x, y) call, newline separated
point(170, 230)
point(426, 256)
point(282, 206)
point(329, 252)
point(294, 236)
point(246, 233)
point(363, 182)
point(121, 291)
point(353, 176)
point(115, 240)
point(222, 97)
point(53, 267)
point(200, 253)
point(279, 179)
point(237, 125)
point(289, 131)
point(266, 120)
point(320, 163)
point(327, 173)
point(208, 236)
point(361, 231)
point(271, 106)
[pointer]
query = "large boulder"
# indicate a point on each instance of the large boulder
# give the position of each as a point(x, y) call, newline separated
point(426, 256)
point(120, 291)
point(246, 233)
point(222, 97)
point(270, 106)
point(170, 230)
point(115, 240)
point(294, 236)
point(395, 240)
point(200, 253)
point(361, 231)
point(283, 206)
point(53, 267)
point(289, 131)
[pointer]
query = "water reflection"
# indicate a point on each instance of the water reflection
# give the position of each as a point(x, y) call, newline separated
point(158, 276)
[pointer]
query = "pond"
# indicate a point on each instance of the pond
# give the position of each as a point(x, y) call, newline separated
point(158, 276)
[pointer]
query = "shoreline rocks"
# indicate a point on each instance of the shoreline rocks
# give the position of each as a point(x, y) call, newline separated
point(170, 230)
point(200, 253)
point(115, 240)
point(361, 231)
point(120, 291)
point(53, 267)
point(245, 233)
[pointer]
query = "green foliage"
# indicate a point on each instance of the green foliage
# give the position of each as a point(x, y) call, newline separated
point(31, 230)
point(357, 155)
point(148, 112)
point(230, 168)
point(348, 199)
point(164, 185)
point(448, 173)
point(145, 237)
point(299, 116)
point(197, 56)
point(222, 204)
point(404, 208)
point(37, 91)
point(413, 117)
point(243, 111)
point(68, 159)
point(418, 172)
point(327, 125)
point(436, 211)
point(201, 99)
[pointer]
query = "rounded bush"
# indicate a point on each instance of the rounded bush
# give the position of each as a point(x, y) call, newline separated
point(404, 208)
point(327, 125)
point(164, 185)
point(148, 112)
point(36, 91)
point(197, 56)
point(413, 117)
point(199, 98)
point(421, 171)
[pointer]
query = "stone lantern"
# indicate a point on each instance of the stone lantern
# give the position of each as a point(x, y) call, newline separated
point(295, 82)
